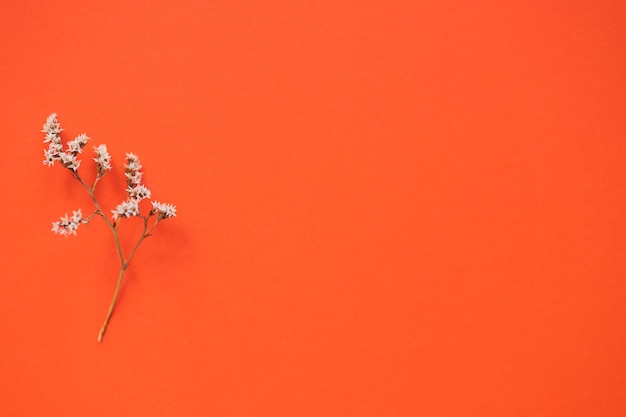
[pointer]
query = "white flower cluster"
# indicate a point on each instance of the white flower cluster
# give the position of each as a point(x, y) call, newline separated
point(102, 159)
point(69, 160)
point(52, 129)
point(135, 189)
point(132, 165)
point(76, 146)
point(68, 225)
point(137, 192)
point(126, 209)
point(163, 210)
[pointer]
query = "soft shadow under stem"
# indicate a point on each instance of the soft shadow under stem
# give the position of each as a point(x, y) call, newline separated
point(113, 226)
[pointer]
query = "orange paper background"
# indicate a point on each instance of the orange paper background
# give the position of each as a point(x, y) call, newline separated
point(410, 208)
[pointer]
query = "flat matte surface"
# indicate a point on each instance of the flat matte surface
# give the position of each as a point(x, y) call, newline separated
point(411, 208)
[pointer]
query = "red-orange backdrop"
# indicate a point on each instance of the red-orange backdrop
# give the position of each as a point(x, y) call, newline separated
point(410, 208)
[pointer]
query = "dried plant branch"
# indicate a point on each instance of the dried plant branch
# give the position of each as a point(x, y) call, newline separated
point(136, 192)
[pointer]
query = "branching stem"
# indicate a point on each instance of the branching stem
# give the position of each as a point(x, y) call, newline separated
point(124, 262)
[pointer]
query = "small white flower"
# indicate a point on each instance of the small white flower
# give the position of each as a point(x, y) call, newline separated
point(133, 178)
point(77, 216)
point(56, 147)
point(51, 156)
point(69, 161)
point(52, 127)
point(76, 145)
point(132, 165)
point(138, 192)
point(132, 162)
point(50, 137)
point(163, 210)
point(66, 225)
point(103, 159)
point(126, 209)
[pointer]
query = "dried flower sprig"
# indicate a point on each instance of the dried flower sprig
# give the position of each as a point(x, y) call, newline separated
point(136, 192)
